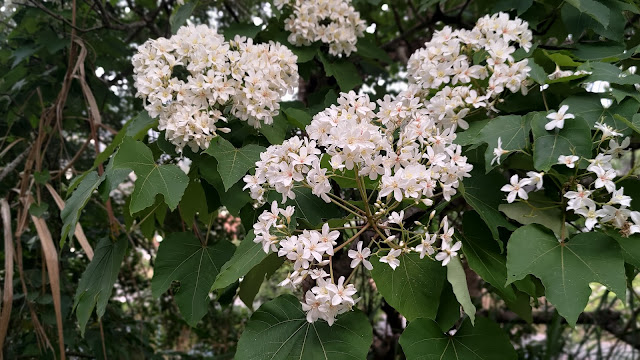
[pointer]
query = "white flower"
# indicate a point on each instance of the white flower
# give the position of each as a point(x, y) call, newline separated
point(605, 179)
point(516, 188)
point(426, 245)
point(558, 118)
point(618, 197)
point(392, 258)
point(590, 215)
point(448, 251)
point(360, 255)
point(536, 179)
point(397, 218)
point(579, 199)
point(569, 160)
point(498, 152)
point(607, 131)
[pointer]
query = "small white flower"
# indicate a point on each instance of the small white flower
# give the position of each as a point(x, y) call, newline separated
point(536, 179)
point(516, 188)
point(360, 255)
point(448, 251)
point(569, 160)
point(498, 152)
point(558, 118)
point(397, 218)
point(392, 258)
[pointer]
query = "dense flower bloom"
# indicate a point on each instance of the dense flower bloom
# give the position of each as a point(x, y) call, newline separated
point(333, 22)
point(446, 66)
point(189, 79)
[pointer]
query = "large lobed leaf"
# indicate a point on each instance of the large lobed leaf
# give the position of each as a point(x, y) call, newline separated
point(482, 192)
point(181, 257)
point(233, 163)
point(248, 255)
point(152, 179)
point(423, 339)
point(573, 139)
point(413, 288)
point(279, 330)
point(566, 268)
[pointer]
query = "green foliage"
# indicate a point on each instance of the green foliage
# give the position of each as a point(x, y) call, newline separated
point(280, 330)
point(512, 130)
point(484, 341)
point(566, 268)
point(573, 139)
point(233, 163)
point(183, 258)
point(152, 179)
point(413, 288)
point(483, 193)
point(458, 281)
point(78, 200)
point(96, 283)
point(248, 255)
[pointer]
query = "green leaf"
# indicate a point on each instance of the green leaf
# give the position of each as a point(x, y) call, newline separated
point(233, 163)
point(194, 202)
point(561, 58)
point(280, 330)
point(368, 48)
point(566, 269)
point(233, 199)
point(41, 177)
point(458, 281)
point(304, 53)
point(594, 9)
point(308, 206)
point(537, 73)
point(344, 71)
point(423, 339)
point(96, 284)
point(243, 29)
point(180, 16)
point(139, 126)
point(246, 256)
point(152, 179)
point(413, 288)
point(535, 211)
point(276, 132)
point(449, 309)
point(630, 247)
point(482, 192)
point(251, 282)
point(181, 257)
point(610, 73)
point(573, 139)
point(78, 200)
point(590, 109)
point(513, 130)
point(38, 210)
point(298, 118)
point(470, 136)
point(484, 257)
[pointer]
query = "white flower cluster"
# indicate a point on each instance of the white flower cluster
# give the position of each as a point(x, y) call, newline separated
point(449, 65)
point(353, 136)
point(309, 252)
point(249, 78)
point(333, 22)
point(599, 202)
point(353, 140)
